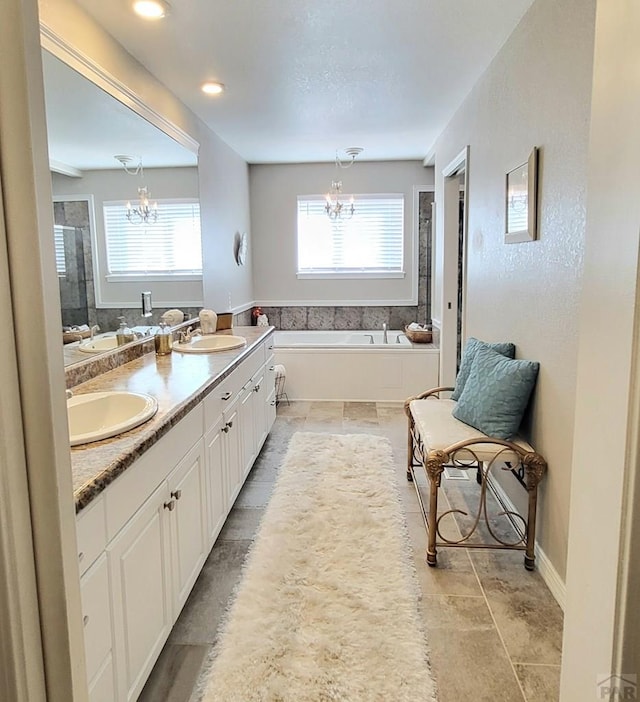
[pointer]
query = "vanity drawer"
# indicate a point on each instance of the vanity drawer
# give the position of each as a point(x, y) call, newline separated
point(252, 364)
point(96, 615)
point(91, 533)
point(221, 397)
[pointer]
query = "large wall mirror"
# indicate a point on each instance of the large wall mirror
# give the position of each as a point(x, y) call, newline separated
point(104, 258)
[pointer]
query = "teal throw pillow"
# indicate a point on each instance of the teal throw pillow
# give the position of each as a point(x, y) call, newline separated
point(469, 353)
point(496, 393)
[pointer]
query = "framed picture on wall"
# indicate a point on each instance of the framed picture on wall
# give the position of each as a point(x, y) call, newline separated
point(521, 201)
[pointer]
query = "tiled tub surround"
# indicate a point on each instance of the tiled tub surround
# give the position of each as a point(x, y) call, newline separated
point(177, 381)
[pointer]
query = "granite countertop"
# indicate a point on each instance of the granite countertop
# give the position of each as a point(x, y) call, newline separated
point(178, 381)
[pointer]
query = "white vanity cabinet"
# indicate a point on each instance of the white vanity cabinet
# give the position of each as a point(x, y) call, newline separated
point(96, 602)
point(143, 541)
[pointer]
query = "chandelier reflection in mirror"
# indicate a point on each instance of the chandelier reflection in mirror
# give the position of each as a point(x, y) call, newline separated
point(144, 211)
point(336, 206)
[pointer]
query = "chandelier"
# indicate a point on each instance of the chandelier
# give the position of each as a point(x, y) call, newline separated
point(335, 206)
point(144, 211)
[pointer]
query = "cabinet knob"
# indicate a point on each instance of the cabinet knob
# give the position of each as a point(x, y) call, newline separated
point(273, 403)
point(80, 556)
point(230, 424)
point(171, 505)
point(270, 347)
point(257, 388)
point(177, 494)
point(227, 395)
point(272, 368)
point(85, 620)
point(225, 428)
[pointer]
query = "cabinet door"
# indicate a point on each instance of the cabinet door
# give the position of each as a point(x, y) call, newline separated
point(259, 410)
point(96, 616)
point(232, 447)
point(139, 567)
point(216, 481)
point(247, 428)
point(102, 688)
point(270, 393)
point(270, 410)
point(187, 494)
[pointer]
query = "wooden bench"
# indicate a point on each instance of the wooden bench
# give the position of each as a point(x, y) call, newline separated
point(436, 439)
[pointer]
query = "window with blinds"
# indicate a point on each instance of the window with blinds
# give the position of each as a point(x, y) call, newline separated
point(171, 246)
point(58, 242)
point(370, 244)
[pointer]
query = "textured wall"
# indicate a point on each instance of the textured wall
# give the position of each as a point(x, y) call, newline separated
point(607, 410)
point(535, 93)
point(274, 192)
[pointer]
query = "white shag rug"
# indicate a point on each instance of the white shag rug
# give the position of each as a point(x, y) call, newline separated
point(327, 609)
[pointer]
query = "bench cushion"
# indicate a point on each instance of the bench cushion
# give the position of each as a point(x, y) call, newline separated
point(439, 429)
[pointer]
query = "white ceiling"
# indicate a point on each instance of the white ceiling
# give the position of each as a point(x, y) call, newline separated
point(86, 127)
point(306, 77)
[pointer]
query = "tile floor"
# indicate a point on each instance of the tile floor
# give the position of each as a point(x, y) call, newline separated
point(494, 629)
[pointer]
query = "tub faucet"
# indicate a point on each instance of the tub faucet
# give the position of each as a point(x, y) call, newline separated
point(385, 339)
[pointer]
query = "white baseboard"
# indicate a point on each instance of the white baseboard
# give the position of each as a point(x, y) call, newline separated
point(544, 566)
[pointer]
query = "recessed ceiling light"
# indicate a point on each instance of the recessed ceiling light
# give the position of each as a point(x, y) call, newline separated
point(212, 88)
point(151, 9)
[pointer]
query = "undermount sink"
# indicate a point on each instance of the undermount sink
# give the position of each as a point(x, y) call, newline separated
point(101, 415)
point(105, 343)
point(210, 344)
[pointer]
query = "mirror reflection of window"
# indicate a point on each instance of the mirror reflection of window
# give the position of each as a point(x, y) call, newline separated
point(170, 246)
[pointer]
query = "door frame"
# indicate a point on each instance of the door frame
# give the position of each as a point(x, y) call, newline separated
point(450, 210)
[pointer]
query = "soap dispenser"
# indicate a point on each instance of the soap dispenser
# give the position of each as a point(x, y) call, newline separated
point(163, 340)
point(124, 335)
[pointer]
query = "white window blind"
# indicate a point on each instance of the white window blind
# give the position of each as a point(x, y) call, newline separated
point(58, 242)
point(171, 246)
point(369, 244)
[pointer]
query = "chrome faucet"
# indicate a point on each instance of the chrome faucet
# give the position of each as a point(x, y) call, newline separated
point(370, 338)
point(385, 339)
point(95, 328)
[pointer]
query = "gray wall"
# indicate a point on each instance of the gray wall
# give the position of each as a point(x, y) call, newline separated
point(274, 192)
point(536, 92)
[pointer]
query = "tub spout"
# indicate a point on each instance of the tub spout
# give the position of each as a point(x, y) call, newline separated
point(385, 339)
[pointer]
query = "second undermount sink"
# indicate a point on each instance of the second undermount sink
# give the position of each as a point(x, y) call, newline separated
point(101, 415)
point(210, 344)
point(105, 343)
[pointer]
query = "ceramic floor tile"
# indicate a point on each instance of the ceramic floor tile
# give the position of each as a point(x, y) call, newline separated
point(241, 525)
point(175, 674)
point(200, 619)
point(254, 494)
point(528, 617)
point(326, 410)
point(360, 410)
point(315, 424)
point(295, 408)
point(467, 656)
point(541, 683)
